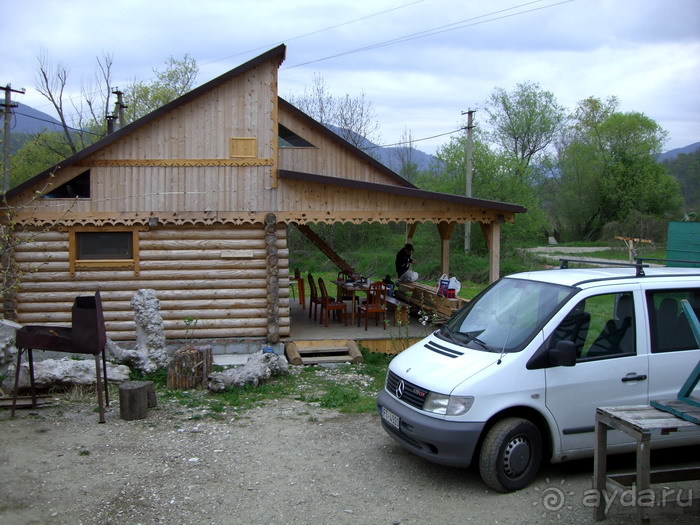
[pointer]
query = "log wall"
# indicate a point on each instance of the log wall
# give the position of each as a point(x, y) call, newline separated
point(217, 275)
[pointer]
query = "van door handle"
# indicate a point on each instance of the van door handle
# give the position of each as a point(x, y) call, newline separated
point(629, 378)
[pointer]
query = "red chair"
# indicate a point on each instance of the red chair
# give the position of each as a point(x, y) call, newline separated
point(314, 299)
point(375, 304)
point(329, 304)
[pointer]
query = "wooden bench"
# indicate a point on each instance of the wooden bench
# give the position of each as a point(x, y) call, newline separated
point(394, 304)
point(424, 297)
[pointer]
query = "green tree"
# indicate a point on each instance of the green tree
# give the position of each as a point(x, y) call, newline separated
point(686, 169)
point(608, 172)
point(178, 77)
point(497, 176)
point(524, 122)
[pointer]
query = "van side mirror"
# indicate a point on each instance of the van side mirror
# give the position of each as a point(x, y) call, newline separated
point(564, 354)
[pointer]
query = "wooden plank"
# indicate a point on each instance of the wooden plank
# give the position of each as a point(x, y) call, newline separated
point(26, 401)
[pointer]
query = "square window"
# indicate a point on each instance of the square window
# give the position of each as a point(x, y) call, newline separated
point(103, 248)
point(104, 245)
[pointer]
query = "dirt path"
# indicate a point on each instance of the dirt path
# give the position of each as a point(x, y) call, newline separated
point(286, 462)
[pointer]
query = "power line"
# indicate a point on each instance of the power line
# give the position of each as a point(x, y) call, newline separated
point(311, 33)
point(469, 22)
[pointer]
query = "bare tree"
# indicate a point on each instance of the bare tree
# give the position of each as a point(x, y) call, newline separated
point(405, 154)
point(87, 123)
point(51, 83)
point(353, 118)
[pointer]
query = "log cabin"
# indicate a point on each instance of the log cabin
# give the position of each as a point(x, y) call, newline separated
point(194, 200)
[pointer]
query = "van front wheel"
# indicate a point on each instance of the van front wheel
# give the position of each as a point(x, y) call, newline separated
point(510, 454)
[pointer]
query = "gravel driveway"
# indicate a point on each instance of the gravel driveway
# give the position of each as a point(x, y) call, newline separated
point(283, 462)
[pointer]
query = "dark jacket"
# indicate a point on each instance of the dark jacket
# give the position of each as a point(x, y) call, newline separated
point(403, 261)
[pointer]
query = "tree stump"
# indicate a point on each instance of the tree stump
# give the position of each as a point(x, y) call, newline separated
point(190, 367)
point(135, 398)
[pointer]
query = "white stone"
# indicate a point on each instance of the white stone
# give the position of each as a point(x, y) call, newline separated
point(259, 367)
point(49, 372)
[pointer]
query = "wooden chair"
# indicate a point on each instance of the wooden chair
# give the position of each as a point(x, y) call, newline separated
point(344, 275)
point(329, 304)
point(314, 299)
point(375, 304)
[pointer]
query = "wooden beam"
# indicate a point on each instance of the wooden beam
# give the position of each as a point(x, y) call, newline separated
point(327, 250)
point(445, 229)
point(492, 234)
point(410, 231)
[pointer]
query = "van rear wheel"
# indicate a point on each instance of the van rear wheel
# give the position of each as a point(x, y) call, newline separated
point(511, 454)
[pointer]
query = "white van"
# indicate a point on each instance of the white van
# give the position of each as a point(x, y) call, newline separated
point(516, 375)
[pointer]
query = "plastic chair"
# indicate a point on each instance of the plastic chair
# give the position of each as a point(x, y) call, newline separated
point(375, 304)
point(329, 304)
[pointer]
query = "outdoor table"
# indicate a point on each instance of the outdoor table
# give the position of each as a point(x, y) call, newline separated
point(300, 289)
point(352, 287)
point(641, 422)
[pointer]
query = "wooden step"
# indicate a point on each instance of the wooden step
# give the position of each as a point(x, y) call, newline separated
point(323, 350)
point(326, 351)
point(317, 360)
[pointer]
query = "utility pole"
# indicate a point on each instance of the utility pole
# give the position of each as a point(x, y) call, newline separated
point(7, 105)
point(119, 107)
point(468, 174)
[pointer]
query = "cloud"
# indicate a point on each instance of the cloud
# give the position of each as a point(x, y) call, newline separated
point(420, 62)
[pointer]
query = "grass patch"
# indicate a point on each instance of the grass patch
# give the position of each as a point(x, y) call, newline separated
point(346, 388)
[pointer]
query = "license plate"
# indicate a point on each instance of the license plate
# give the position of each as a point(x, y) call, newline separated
point(391, 418)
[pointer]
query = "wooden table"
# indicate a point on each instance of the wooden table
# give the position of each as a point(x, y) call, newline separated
point(352, 288)
point(300, 289)
point(642, 422)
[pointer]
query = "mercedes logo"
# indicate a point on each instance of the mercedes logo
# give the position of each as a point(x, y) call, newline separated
point(399, 389)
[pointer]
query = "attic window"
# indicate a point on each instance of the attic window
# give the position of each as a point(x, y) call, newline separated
point(289, 139)
point(76, 187)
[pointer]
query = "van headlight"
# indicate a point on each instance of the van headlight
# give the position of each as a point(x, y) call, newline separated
point(448, 405)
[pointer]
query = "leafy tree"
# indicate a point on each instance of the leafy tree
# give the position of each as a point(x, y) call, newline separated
point(496, 176)
point(608, 171)
point(686, 169)
point(37, 154)
point(524, 122)
point(177, 79)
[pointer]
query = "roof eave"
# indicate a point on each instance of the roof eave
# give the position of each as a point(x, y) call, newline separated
point(412, 191)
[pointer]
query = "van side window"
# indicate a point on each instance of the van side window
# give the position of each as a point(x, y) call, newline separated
point(670, 329)
point(600, 326)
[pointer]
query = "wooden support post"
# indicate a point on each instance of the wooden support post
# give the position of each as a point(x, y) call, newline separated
point(445, 229)
point(492, 235)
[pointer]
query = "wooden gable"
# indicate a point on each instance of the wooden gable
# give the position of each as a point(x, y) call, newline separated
point(210, 152)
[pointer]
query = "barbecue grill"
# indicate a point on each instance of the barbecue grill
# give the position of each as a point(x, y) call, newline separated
point(86, 335)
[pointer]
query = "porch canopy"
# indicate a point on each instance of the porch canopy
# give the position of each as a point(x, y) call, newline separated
point(326, 199)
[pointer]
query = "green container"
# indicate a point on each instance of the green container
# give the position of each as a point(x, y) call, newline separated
point(683, 243)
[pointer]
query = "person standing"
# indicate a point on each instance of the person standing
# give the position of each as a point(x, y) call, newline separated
point(404, 259)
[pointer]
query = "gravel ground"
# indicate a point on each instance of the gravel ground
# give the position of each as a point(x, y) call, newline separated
point(284, 461)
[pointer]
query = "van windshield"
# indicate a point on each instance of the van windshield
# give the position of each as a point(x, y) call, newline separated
point(506, 316)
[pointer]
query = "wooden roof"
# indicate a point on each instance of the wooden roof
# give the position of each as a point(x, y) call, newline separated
point(176, 163)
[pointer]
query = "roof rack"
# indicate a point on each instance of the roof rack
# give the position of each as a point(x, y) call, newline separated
point(640, 259)
point(638, 265)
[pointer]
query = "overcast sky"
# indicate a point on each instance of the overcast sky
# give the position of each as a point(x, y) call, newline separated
point(420, 63)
